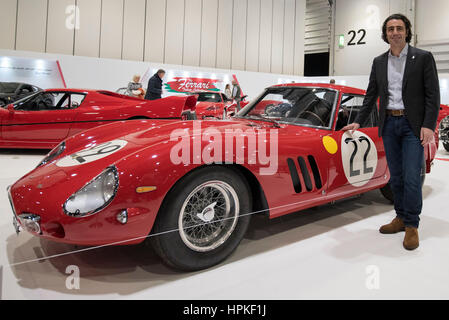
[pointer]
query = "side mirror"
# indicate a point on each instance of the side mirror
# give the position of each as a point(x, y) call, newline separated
point(10, 107)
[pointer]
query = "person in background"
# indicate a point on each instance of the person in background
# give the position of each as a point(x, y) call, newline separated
point(236, 94)
point(405, 79)
point(135, 88)
point(227, 91)
point(332, 81)
point(154, 90)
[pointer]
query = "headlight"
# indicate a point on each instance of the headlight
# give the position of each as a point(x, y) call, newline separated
point(94, 196)
point(53, 154)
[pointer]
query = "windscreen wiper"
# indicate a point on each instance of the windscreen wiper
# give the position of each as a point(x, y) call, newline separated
point(258, 117)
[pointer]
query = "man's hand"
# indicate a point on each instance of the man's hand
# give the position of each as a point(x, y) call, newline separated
point(352, 126)
point(427, 136)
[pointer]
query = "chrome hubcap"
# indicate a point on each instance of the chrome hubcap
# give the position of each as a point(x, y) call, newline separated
point(208, 216)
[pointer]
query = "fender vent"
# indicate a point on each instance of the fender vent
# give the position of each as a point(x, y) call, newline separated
point(294, 175)
point(312, 177)
point(305, 173)
point(315, 171)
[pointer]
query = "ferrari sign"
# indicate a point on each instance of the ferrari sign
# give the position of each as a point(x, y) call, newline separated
point(177, 82)
point(187, 84)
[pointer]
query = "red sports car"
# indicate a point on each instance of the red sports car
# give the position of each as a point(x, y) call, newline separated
point(191, 187)
point(443, 126)
point(215, 105)
point(44, 119)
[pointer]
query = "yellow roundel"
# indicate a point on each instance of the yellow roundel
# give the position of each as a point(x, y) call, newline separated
point(330, 144)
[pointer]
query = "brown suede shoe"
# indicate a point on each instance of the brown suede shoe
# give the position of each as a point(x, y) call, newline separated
point(411, 239)
point(394, 226)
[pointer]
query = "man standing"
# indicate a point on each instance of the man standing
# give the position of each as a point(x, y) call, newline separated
point(406, 81)
point(154, 90)
point(236, 93)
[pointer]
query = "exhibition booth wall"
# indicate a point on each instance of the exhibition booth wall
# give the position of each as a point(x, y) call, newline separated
point(251, 35)
point(111, 74)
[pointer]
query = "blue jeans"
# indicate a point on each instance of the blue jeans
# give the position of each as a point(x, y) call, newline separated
point(405, 156)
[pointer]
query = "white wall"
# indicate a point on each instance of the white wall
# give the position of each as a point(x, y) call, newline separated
point(432, 20)
point(253, 35)
point(432, 30)
point(368, 15)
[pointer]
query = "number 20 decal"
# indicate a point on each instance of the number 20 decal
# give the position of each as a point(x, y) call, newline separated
point(359, 157)
point(91, 154)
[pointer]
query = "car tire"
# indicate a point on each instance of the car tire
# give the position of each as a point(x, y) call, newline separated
point(446, 145)
point(388, 193)
point(188, 242)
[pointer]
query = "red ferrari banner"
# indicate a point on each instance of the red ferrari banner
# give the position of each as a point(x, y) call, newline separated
point(189, 84)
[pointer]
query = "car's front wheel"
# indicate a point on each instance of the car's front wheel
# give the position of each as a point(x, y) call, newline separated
point(203, 219)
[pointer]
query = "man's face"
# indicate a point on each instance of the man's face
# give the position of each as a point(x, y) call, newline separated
point(396, 32)
point(161, 75)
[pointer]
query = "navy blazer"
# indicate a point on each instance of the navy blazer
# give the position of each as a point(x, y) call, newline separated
point(420, 90)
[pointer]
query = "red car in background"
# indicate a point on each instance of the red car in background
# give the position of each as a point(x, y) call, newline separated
point(44, 119)
point(215, 105)
point(443, 126)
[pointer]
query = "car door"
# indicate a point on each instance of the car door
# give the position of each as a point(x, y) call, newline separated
point(44, 117)
point(302, 160)
point(359, 161)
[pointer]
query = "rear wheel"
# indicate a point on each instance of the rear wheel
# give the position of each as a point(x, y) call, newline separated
point(388, 193)
point(200, 222)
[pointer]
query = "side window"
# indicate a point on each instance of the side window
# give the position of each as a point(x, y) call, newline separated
point(60, 101)
point(76, 100)
point(349, 109)
point(25, 90)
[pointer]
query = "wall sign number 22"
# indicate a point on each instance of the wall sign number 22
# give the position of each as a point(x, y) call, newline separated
point(354, 34)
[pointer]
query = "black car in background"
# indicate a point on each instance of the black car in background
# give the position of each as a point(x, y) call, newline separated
point(13, 91)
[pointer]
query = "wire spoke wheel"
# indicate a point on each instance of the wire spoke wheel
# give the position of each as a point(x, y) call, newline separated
point(208, 216)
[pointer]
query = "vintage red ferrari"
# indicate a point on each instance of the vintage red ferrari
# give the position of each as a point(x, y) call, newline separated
point(44, 119)
point(215, 105)
point(191, 187)
point(443, 126)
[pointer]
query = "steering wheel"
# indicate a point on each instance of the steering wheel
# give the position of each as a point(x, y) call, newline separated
point(269, 108)
point(315, 116)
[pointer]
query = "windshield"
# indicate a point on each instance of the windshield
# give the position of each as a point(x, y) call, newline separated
point(296, 105)
point(8, 87)
point(208, 97)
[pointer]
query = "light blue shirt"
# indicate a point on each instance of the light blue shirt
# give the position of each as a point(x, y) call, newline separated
point(396, 66)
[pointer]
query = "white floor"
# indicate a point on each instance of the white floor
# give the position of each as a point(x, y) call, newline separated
point(329, 252)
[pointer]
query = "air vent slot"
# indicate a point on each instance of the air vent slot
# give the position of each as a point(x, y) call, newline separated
point(305, 173)
point(315, 171)
point(294, 175)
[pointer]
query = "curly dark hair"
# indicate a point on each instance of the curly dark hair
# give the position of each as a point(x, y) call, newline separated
point(408, 26)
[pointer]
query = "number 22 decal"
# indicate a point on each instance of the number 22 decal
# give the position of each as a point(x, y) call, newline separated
point(366, 169)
